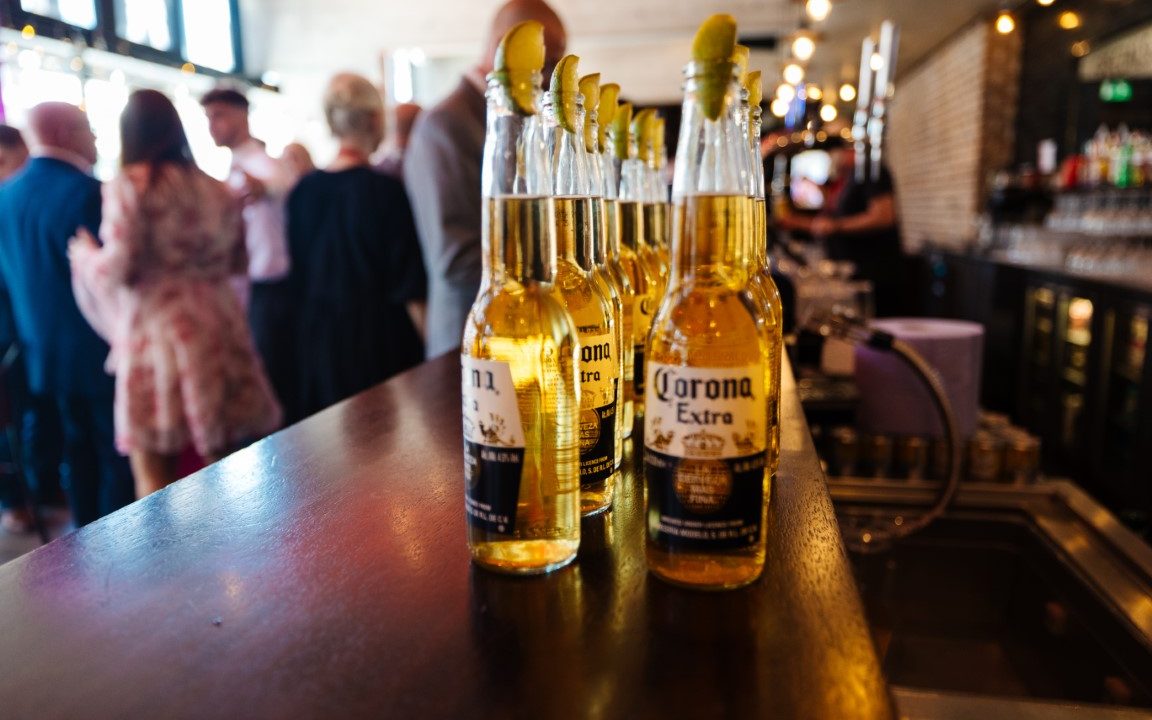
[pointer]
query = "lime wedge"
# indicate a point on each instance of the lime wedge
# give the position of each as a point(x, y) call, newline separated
point(620, 125)
point(564, 88)
point(609, 96)
point(643, 127)
point(712, 52)
point(740, 57)
point(519, 56)
point(755, 88)
point(590, 89)
point(715, 39)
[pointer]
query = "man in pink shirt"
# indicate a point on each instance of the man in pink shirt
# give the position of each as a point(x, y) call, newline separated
point(262, 183)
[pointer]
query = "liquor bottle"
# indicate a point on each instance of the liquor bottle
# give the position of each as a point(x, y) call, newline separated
point(706, 430)
point(598, 266)
point(586, 300)
point(521, 395)
point(610, 187)
point(631, 223)
point(761, 277)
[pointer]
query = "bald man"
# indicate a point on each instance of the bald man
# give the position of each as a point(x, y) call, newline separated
point(442, 173)
point(40, 210)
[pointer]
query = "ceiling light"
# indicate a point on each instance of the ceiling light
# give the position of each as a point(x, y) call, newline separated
point(1069, 20)
point(818, 9)
point(793, 74)
point(803, 46)
point(1004, 23)
point(786, 92)
point(847, 92)
point(1045, 3)
point(779, 107)
point(814, 93)
point(827, 113)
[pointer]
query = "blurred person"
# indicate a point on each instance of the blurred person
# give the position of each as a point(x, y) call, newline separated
point(357, 279)
point(859, 224)
point(13, 152)
point(392, 163)
point(262, 184)
point(40, 209)
point(186, 369)
point(297, 159)
point(442, 172)
point(14, 515)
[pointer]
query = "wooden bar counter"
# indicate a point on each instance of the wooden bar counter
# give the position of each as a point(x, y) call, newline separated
point(323, 573)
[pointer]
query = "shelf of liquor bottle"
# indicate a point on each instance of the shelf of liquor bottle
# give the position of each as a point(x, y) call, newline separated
point(323, 572)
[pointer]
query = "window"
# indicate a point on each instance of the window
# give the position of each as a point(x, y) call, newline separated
point(81, 13)
point(208, 34)
point(147, 22)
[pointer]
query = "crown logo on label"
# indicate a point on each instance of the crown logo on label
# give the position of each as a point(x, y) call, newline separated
point(703, 444)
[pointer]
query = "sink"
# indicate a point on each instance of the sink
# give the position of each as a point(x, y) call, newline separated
point(1016, 595)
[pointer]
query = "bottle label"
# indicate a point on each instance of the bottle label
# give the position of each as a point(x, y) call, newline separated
point(493, 444)
point(706, 439)
point(598, 411)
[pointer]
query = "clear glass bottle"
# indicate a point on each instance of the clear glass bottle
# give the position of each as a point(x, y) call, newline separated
point(631, 223)
point(521, 395)
point(706, 428)
point(598, 265)
point(610, 186)
point(586, 300)
point(761, 282)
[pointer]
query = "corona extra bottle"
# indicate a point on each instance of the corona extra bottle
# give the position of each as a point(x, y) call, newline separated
point(761, 278)
point(586, 300)
point(521, 396)
point(610, 187)
point(631, 227)
point(599, 268)
point(706, 425)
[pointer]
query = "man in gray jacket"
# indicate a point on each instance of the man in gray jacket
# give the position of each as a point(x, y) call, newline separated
point(442, 174)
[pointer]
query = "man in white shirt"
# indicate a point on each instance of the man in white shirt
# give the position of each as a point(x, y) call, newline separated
point(262, 184)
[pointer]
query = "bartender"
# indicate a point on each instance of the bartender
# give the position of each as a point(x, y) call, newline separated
point(859, 224)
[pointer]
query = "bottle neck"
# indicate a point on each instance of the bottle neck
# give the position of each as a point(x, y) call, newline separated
point(710, 189)
point(611, 227)
point(755, 123)
point(633, 181)
point(571, 179)
point(519, 240)
point(523, 234)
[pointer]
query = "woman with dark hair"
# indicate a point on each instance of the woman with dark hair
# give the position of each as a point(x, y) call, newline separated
point(159, 289)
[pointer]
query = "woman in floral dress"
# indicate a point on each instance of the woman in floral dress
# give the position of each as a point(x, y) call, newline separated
point(159, 288)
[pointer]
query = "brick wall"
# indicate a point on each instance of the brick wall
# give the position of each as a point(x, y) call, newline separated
point(951, 127)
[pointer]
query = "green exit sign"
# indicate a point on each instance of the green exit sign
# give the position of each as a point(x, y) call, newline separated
point(1115, 91)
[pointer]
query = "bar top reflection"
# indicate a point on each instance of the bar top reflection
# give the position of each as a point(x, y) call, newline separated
point(324, 572)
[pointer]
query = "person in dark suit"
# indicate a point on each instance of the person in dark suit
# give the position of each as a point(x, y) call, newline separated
point(442, 174)
point(41, 208)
